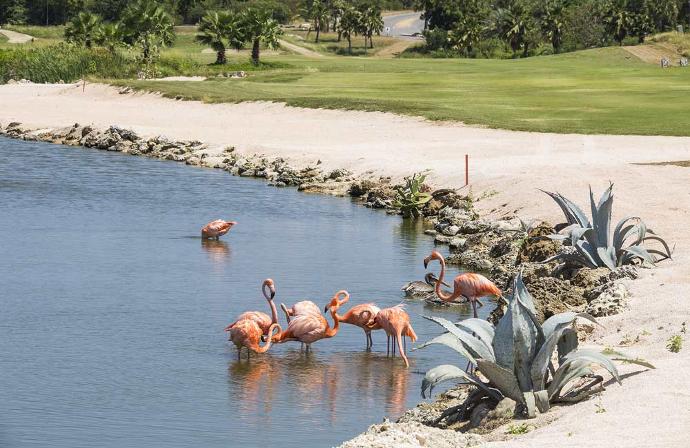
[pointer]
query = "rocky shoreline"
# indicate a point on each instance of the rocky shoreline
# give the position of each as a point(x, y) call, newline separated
point(498, 248)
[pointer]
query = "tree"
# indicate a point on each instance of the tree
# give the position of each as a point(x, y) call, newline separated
point(109, 35)
point(147, 25)
point(213, 31)
point(348, 25)
point(317, 12)
point(83, 28)
point(260, 28)
point(552, 24)
point(513, 24)
point(617, 20)
point(371, 22)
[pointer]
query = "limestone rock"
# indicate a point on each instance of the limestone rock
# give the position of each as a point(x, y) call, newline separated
point(611, 301)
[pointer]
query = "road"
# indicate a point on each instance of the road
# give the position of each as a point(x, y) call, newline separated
point(404, 24)
point(16, 38)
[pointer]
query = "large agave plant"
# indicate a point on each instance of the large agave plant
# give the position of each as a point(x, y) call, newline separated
point(411, 197)
point(593, 244)
point(516, 355)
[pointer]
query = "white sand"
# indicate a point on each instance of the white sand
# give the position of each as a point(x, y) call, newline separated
point(14, 37)
point(651, 409)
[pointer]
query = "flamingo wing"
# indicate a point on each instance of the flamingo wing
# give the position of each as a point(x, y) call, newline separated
point(308, 328)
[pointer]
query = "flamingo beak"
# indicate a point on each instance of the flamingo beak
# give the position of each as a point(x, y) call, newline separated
point(273, 292)
point(426, 262)
point(232, 223)
point(445, 284)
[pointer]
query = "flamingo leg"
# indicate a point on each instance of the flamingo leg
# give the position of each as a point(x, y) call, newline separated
point(474, 307)
point(404, 343)
point(393, 343)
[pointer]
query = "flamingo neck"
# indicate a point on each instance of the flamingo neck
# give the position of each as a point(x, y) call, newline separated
point(267, 344)
point(330, 332)
point(439, 292)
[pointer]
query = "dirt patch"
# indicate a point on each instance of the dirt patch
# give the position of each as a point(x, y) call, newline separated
point(653, 53)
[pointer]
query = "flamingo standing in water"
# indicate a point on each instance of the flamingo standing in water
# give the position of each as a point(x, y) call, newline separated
point(308, 328)
point(361, 315)
point(396, 323)
point(247, 333)
point(300, 308)
point(468, 285)
point(216, 229)
point(262, 319)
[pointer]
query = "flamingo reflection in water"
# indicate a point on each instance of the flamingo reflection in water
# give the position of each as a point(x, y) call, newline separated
point(218, 251)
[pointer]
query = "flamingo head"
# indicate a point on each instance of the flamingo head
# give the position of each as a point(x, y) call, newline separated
point(336, 302)
point(434, 255)
point(231, 223)
point(268, 283)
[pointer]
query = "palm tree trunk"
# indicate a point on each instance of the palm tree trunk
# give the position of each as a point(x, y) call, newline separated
point(349, 44)
point(256, 48)
point(318, 31)
point(371, 41)
point(220, 57)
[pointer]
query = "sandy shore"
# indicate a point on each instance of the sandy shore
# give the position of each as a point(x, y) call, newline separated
point(650, 409)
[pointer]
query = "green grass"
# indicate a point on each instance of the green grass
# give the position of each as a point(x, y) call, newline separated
point(677, 41)
point(329, 44)
point(594, 91)
point(42, 32)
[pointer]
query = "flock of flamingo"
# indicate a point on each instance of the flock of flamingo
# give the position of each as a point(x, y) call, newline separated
point(306, 324)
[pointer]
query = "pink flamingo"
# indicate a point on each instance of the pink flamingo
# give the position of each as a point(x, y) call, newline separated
point(468, 285)
point(262, 319)
point(361, 315)
point(396, 323)
point(300, 308)
point(308, 328)
point(247, 333)
point(216, 229)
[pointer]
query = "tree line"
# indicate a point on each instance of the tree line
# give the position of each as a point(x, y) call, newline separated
point(482, 27)
point(147, 26)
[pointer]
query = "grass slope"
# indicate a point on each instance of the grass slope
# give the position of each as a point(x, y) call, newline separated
point(594, 91)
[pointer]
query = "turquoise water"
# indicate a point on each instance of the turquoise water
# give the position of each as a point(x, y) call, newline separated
point(111, 327)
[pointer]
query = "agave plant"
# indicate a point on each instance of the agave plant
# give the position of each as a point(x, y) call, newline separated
point(516, 356)
point(593, 244)
point(410, 198)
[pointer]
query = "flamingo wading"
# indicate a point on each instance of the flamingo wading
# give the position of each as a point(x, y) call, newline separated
point(262, 319)
point(247, 333)
point(362, 315)
point(468, 285)
point(396, 323)
point(309, 328)
point(216, 229)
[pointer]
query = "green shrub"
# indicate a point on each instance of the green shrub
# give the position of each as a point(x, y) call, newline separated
point(62, 62)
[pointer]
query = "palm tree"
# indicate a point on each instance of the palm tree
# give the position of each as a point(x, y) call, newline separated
point(317, 11)
point(511, 24)
point(260, 28)
point(109, 35)
point(348, 25)
point(82, 29)
point(148, 25)
point(213, 30)
point(552, 24)
point(372, 22)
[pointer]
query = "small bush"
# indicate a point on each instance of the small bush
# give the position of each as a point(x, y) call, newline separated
point(675, 343)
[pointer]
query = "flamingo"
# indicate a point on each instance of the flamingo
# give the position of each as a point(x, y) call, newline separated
point(262, 319)
point(216, 229)
point(361, 315)
point(247, 333)
point(396, 323)
point(300, 308)
point(309, 328)
point(421, 288)
point(468, 285)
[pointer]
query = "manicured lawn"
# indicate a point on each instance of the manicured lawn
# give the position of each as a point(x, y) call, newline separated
point(594, 91)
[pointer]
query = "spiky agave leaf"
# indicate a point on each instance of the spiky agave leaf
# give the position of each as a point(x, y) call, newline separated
point(504, 380)
point(601, 216)
point(447, 372)
point(452, 341)
point(481, 328)
point(574, 366)
point(476, 347)
point(573, 213)
point(567, 317)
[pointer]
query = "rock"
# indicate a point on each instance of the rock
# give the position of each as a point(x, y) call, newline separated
point(431, 232)
point(442, 239)
point(502, 247)
point(511, 225)
point(458, 243)
point(432, 208)
point(552, 296)
point(332, 187)
point(498, 416)
point(611, 301)
point(470, 227)
point(451, 198)
point(470, 260)
point(362, 187)
point(451, 230)
point(536, 246)
point(478, 414)
point(411, 435)
point(590, 278)
point(338, 174)
point(454, 216)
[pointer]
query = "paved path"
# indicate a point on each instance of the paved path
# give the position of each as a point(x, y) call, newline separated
point(299, 50)
point(15, 37)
